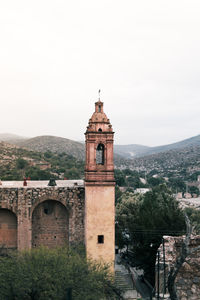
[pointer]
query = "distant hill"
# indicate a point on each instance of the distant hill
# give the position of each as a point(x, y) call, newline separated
point(77, 149)
point(11, 138)
point(193, 141)
point(54, 144)
point(179, 163)
point(132, 151)
point(178, 159)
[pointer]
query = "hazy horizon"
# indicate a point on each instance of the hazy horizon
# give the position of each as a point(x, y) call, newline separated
point(82, 141)
point(143, 55)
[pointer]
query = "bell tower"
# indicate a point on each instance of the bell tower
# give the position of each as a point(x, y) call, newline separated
point(99, 187)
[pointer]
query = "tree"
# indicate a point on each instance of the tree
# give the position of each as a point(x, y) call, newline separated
point(120, 178)
point(177, 184)
point(118, 194)
point(153, 181)
point(72, 173)
point(21, 163)
point(36, 174)
point(49, 273)
point(146, 218)
point(194, 190)
point(194, 217)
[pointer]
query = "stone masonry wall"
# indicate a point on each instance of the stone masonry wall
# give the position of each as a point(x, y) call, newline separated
point(50, 224)
point(8, 229)
point(188, 279)
point(26, 202)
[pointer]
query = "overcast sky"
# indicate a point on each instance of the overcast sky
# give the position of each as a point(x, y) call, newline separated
point(144, 55)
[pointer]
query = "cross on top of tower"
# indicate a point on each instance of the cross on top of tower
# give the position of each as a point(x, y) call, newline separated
point(99, 94)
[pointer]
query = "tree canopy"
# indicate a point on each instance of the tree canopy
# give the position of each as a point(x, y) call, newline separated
point(142, 220)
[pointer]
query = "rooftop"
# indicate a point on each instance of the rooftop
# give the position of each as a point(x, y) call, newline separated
point(190, 202)
point(41, 184)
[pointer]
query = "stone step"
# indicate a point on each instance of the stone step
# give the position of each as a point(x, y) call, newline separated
point(122, 281)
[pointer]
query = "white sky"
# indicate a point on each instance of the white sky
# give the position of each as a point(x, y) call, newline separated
point(143, 54)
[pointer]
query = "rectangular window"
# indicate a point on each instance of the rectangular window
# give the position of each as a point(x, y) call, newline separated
point(100, 239)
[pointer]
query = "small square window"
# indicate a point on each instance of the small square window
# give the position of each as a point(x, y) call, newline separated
point(100, 239)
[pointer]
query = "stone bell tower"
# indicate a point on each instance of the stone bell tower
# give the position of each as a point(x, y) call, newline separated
point(99, 188)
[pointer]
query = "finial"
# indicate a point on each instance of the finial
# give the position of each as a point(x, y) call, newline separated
point(99, 94)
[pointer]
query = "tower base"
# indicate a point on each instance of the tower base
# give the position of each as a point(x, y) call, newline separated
point(100, 222)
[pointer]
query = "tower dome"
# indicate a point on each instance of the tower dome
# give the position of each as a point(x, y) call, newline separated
point(99, 122)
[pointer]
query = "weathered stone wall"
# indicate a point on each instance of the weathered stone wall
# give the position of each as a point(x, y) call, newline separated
point(188, 279)
point(8, 229)
point(50, 224)
point(65, 224)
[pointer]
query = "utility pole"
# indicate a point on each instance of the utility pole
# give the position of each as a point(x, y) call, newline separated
point(164, 275)
point(158, 287)
point(69, 294)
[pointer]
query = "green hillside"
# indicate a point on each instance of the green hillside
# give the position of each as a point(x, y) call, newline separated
point(54, 144)
point(17, 163)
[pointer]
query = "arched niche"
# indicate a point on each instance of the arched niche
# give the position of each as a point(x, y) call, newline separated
point(50, 224)
point(8, 229)
point(100, 154)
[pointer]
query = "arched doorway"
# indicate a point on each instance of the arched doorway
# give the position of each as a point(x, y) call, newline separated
point(50, 224)
point(8, 229)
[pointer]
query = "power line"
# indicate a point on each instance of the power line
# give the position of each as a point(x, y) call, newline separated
point(158, 232)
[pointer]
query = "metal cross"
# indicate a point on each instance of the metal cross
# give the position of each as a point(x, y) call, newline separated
point(99, 94)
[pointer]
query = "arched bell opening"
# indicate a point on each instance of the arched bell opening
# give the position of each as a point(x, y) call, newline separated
point(100, 154)
point(50, 224)
point(8, 229)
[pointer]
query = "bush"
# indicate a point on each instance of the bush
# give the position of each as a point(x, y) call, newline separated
point(49, 273)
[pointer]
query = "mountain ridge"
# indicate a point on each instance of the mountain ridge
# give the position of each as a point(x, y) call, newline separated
point(55, 144)
point(77, 149)
point(125, 150)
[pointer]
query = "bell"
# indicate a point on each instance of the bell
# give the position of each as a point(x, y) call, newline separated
point(52, 182)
